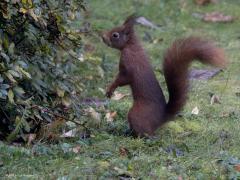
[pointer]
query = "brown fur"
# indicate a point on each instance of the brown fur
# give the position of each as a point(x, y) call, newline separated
point(150, 110)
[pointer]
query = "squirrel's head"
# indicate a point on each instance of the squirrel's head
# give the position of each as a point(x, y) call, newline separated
point(119, 37)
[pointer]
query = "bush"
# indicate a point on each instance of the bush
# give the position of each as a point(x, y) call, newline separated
point(42, 64)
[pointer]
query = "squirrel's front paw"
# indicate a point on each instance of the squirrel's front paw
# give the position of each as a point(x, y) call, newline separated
point(109, 93)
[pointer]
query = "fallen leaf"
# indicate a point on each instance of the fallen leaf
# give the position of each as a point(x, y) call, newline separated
point(110, 116)
point(76, 149)
point(69, 134)
point(215, 100)
point(145, 22)
point(123, 151)
point(217, 17)
point(237, 167)
point(93, 114)
point(117, 96)
point(225, 114)
point(31, 138)
point(11, 96)
point(52, 130)
point(195, 111)
point(203, 74)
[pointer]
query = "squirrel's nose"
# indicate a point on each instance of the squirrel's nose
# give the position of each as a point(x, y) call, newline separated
point(104, 36)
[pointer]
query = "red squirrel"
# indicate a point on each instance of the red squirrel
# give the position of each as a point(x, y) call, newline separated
point(150, 109)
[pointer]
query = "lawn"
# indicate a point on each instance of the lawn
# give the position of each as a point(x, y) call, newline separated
point(202, 146)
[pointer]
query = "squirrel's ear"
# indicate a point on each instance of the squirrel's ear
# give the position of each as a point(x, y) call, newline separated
point(131, 20)
point(129, 23)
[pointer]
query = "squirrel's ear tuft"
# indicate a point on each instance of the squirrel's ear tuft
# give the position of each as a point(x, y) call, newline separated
point(129, 24)
point(131, 20)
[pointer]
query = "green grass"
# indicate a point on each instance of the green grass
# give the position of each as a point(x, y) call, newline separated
point(205, 146)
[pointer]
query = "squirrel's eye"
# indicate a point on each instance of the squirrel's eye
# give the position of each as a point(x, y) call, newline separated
point(115, 35)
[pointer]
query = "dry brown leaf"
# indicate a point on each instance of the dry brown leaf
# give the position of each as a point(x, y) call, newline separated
point(31, 138)
point(117, 96)
point(110, 116)
point(53, 130)
point(217, 17)
point(237, 167)
point(76, 149)
point(224, 114)
point(123, 151)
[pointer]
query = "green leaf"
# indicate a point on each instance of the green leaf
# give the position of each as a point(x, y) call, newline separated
point(20, 123)
point(30, 2)
point(5, 42)
point(10, 77)
point(3, 94)
point(26, 125)
point(60, 92)
point(4, 86)
point(5, 56)
point(1, 79)
point(24, 1)
point(11, 96)
point(25, 73)
point(23, 64)
point(14, 73)
point(18, 90)
point(11, 48)
point(66, 101)
point(23, 10)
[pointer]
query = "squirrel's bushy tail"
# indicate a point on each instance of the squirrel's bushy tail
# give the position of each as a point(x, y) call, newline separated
point(175, 66)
